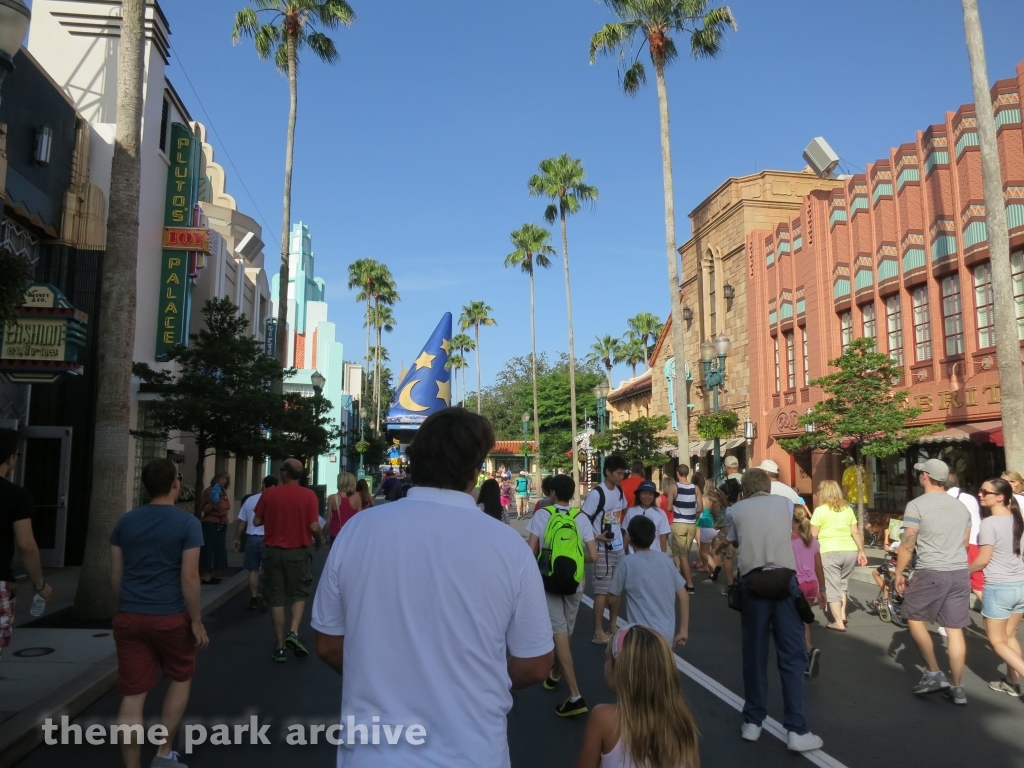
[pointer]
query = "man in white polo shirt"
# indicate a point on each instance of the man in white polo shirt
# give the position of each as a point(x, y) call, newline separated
point(779, 488)
point(432, 611)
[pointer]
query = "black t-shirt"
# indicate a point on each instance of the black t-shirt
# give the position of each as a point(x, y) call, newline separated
point(15, 504)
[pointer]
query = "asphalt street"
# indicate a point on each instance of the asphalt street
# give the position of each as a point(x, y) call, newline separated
point(860, 704)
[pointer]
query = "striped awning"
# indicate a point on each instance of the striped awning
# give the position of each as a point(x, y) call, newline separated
point(981, 432)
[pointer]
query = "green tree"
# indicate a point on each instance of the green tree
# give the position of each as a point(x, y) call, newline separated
point(562, 180)
point(606, 352)
point(639, 440)
point(383, 321)
point(363, 277)
point(286, 28)
point(632, 351)
point(17, 274)
point(461, 343)
point(532, 245)
point(454, 364)
point(648, 328)
point(115, 330)
point(475, 314)
point(863, 414)
point(303, 428)
point(1005, 326)
point(652, 23)
point(217, 394)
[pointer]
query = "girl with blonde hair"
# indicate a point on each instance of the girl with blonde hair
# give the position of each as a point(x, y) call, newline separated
point(342, 505)
point(809, 576)
point(834, 525)
point(650, 726)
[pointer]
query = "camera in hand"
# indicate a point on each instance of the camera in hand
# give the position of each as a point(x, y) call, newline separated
point(606, 530)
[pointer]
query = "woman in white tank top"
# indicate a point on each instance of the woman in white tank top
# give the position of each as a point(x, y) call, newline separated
point(650, 726)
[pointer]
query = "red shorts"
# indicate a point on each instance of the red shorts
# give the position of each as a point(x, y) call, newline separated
point(810, 590)
point(978, 577)
point(148, 642)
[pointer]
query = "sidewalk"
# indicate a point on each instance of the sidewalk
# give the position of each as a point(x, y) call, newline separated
point(49, 671)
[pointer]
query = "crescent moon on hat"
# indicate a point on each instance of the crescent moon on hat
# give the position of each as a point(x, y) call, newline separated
point(405, 398)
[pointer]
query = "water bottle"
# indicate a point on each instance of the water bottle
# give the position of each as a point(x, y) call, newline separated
point(38, 606)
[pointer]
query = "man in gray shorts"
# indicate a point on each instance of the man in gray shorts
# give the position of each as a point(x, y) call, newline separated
point(938, 528)
point(562, 609)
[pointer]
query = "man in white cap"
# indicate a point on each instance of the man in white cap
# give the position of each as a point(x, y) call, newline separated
point(779, 488)
point(732, 468)
point(938, 528)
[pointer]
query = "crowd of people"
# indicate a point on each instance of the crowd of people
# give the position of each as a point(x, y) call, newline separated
point(506, 611)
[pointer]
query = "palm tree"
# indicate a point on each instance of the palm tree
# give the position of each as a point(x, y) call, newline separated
point(385, 294)
point(364, 274)
point(115, 337)
point(462, 343)
point(289, 27)
point(382, 320)
point(532, 247)
point(562, 180)
point(632, 351)
point(645, 326)
point(475, 314)
point(454, 363)
point(1006, 331)
point(606, 352)
point(655, 21)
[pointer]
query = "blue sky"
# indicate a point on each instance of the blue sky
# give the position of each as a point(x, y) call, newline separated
point(415, 149)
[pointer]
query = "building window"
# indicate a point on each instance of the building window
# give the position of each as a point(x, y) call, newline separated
point(983, 305)
point(807, 358)
point(164, 115)
point(894, 325)
point(869, 322)
point(1017, 265)
point(778, 372)
point(922, 326)
point(846, 328)
point(790, 361)
point(952, 315)
point(711, 297)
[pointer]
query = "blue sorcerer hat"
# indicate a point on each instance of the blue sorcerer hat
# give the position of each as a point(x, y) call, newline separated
point(426, 388)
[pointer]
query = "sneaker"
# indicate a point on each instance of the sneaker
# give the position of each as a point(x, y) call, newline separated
point(294, 642)
point(942, 631)
point(262, 603)
point(254, 604)
point(750, 732)
point(171, 761)
point(689, 589)
point(955, 693)
point(279, 655)
point(813, 663)
point(803, 742)
point(570, 708)
point(1004, 687)
point(714, 573)
point(551, 682)
point(724, 592)
point(931, 682)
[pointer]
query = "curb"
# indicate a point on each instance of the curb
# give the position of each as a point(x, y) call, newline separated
point(22, 733)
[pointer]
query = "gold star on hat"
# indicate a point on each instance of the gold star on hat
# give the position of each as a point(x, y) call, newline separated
point(446, 345)
point(444, 392)
point(424, 360)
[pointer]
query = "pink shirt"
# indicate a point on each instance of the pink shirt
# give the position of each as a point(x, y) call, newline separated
point(804, 556)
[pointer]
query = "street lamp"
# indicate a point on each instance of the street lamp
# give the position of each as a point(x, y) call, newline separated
point(318, 381)
point(809, 427)
point(14, 18)
point(526, 431)
point(712, 357)
point(601, 395)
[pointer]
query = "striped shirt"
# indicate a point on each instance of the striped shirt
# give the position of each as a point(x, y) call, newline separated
point(684, 507)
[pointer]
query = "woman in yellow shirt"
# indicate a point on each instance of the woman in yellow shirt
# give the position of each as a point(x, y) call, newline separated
point(834, 525)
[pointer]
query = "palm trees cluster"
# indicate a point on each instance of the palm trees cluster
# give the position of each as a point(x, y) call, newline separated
point(376, 287)
point(632, 348)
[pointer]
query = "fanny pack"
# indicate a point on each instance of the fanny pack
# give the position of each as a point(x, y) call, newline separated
point(770, 583)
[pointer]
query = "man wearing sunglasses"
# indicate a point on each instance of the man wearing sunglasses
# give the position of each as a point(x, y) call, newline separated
point(15, 530)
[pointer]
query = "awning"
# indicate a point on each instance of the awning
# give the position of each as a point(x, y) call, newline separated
point(982, 432)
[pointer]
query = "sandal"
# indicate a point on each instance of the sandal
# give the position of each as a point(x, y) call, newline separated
point(596, 641)
point(835, 628)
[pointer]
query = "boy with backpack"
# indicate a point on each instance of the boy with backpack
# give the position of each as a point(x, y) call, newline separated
point(604, 507)
point(562, 540)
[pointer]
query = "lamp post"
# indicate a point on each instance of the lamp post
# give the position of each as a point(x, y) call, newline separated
point(809, 427)
point(750, 435)
point(14, 19)
point(601, 395)
point(712, 357)
point(526, 431)
point(318, 381)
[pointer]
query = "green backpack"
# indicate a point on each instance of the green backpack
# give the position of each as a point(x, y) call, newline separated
point(561, 554)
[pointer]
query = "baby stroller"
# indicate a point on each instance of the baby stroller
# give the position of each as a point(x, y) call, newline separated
point(888, 603)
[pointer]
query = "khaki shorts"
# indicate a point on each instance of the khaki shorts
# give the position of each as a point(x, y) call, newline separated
point(682, 538)
point(562, 610)
point(286, 575)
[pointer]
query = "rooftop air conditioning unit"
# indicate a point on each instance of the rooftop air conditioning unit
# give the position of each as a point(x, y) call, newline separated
point(820, 156)
point(249, 246)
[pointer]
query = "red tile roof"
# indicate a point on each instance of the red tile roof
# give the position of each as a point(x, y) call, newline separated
point(511, 447)
point(631, 388)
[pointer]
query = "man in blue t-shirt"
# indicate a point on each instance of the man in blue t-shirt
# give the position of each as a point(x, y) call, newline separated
point(154, 553)
point(522, 495)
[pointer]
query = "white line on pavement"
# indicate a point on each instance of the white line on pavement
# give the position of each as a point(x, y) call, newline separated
point(772, 726)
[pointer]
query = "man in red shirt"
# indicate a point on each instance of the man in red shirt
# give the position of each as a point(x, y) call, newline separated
point(290, 516)
point(631, 483)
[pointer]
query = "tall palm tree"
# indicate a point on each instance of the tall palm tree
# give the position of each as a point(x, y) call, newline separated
point(653, 22)
point(562, 180)
point(454, 364)
point(115, 335)
point(647, 327)
point(1006, 332)
point(288, 27)
point(532, 245)
point(382, 320)
point(475, 314)
point(605, 351)
point(632, 350)
point(461, 343)
point(364, 274)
